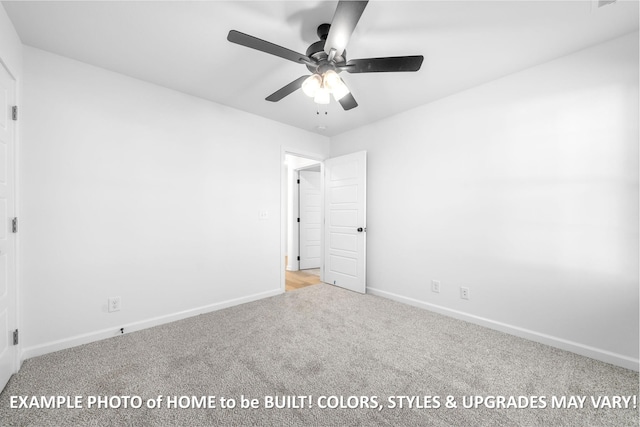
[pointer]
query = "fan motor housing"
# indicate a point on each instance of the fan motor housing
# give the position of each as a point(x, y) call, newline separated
point(317, 53)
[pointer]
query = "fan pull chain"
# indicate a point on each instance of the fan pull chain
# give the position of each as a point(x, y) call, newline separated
point(322, 124)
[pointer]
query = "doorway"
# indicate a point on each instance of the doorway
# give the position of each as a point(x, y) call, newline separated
point(303, 228)
point(343, 218)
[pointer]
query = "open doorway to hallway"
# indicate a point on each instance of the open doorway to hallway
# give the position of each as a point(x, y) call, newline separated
point(303, 231)
point(302, 278)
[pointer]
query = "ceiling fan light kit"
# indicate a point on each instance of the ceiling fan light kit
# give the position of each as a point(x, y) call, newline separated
point(319, 87)
point(326, 58)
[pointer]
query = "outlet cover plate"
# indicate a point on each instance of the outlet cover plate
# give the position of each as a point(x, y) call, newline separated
point(435, 286)
point(113, 304)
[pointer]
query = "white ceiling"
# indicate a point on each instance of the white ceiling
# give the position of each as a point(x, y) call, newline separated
point(182, 45)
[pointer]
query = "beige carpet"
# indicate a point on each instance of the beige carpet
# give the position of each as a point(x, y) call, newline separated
point(320, 341)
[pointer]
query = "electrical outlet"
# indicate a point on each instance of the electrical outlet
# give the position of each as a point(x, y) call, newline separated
point(435, 286)
point(464, 293)
point(113, 304)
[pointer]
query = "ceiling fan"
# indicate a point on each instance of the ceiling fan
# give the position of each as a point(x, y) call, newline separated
point(326, 58)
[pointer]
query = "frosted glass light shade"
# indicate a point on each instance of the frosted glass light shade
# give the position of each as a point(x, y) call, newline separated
point(311, 85)
point(322, 96)
point(332, 81)
point(340, 90)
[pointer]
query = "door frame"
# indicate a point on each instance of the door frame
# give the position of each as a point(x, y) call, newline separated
point(15, 214)
point(296, 202)
point(283, 206)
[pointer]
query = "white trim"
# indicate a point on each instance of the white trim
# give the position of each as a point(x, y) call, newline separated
point(572, 346)
point(4, 65)
point(140, 325)
point(293, 228)
point(13, 314)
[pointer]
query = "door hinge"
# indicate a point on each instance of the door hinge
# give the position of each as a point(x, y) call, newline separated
point(298, 181)
point(14, 225)
point(298, 219)
point(298, 258)
point(15, 337)
point(14, 112)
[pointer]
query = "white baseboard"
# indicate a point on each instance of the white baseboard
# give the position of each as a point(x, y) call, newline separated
point(77, 340)
point(574, 347)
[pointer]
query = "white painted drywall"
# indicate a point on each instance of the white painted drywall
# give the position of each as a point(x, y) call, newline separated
point(133, 190)
point(10, 45)
point(524, 190)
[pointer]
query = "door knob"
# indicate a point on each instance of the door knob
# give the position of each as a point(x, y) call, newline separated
point(359, 229)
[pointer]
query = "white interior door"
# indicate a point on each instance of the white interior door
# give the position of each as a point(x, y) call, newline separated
point(345, 221)
point(310, 219)
point(8, 304)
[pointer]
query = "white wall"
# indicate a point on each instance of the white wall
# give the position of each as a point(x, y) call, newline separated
point(524, 190)
point(10, 45)
point(132, 190)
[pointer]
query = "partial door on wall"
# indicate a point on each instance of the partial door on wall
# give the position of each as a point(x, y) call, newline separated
point(8, 304)
point(310, 214)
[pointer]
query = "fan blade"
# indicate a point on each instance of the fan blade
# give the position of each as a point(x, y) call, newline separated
point(267, 47)
point(286, 90)
point(348, 102)
point(384, 65)
point(344, 22)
